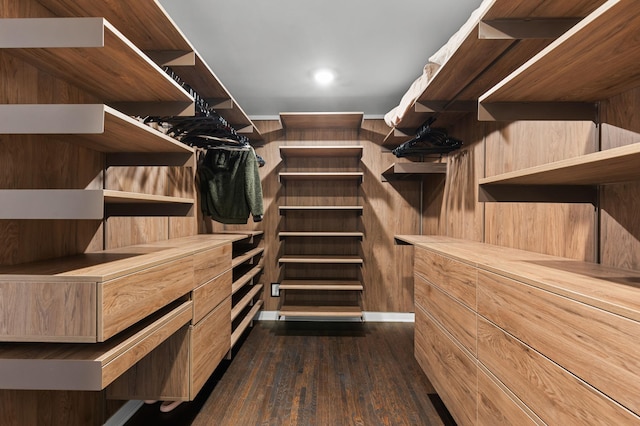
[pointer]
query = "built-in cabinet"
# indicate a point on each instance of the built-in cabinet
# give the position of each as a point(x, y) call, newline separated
point(80, 308)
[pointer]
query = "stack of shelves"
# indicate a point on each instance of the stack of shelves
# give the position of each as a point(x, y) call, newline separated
point(322, 267)
point(538, 91)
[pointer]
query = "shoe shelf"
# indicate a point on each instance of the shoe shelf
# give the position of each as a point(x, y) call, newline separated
point(285, 209)
point(569, 180)
point(245, 288)
point(319, 311)
point(324, 120)
point(93, 55)
point(321, 259)
point(344, 285)
point(506, 34)
point(165, 43)
point(398, 171)
point(593, 61)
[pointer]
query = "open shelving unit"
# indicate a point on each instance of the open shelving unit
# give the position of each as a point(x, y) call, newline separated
point(506, 35)
point(399, 171)
point(321, 270)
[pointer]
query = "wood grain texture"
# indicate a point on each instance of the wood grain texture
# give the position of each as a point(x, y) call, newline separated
point(210, 341)
point(595, 345)
point(455, 278)
point(452, 370)
point(211, 263)
point(456, 318)
point(211, 294)
point(554, 394)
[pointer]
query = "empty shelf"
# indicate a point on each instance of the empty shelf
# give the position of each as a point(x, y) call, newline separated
point(321, 234)
point(321, 175)
point(320, 285)
point(246, 322)
point(321, 151)
point(321, 311)
point(241, 258)
point(93, 55)
point(246, 278)
point(321, 259)
point(413, 170)
point(245, 301)
point(285, 209)
point(324, 120)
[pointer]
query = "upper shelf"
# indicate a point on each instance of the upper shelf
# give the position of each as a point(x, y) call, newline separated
point(399, 171)
point(87, 204)
point(96, 126)
point(93, 55)
point(593, 61)
point(324, 120)
point(321, 176)
point(321, 151)
point(485, 56)
point(577, 175)
point(285, 209)
point(167, 45)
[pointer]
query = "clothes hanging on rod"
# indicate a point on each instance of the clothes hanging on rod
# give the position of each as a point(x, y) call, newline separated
point(229, 184)
point(428, 140)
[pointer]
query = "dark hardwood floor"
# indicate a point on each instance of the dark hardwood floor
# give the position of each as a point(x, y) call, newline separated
point(311, 373)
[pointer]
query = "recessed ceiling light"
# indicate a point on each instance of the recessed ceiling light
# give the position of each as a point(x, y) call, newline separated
point(324, 76)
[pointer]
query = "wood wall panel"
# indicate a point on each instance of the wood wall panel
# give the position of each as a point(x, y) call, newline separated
point(463, 214)
point(620, 204)
point(567, 230)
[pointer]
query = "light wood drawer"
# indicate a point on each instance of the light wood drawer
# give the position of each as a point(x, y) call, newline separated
point(497, 407)
point(210, 341)
point(597, 346)
point(209, 295)
point(211, 263)
point(455, 317)
point(450, 369)
point(87, 367)
point(555, 395)
point(456, 278)
point(126, 300)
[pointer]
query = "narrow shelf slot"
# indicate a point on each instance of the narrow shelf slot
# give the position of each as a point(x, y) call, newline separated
point(241, 258)
point(325, 311)
point(413, 170)
point(245, 301)
point(321, 259)
point(321, 234)
point(285, 209)
point(321, 151)
point(246, 322)
point(244, 279)
point(321, 285)
point(321, 176)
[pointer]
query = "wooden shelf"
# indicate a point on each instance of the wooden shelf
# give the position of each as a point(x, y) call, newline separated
point(481, 61)
point(246, 322)
point(569, 180)
point(95, 126)
point(241, 258)
point(245, 301)
point(246, 278)
point(321, 259)
point(87, 204)
point(321, 234)
point(94, 56)
point(321, 151)
point(285, 209)
point(324, 120)
point(321, 285)
point(321, 176)
point(321, 311)
point(593, 61)
point(86, 367)
point(396, 137)
point(399, 171)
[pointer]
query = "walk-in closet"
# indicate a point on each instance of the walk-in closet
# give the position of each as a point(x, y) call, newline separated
point(470, 255)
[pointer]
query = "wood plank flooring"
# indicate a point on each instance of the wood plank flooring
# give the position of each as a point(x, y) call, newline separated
point(312, 373)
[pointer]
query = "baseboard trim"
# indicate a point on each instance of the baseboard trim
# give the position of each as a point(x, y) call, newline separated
point(125, 412)
point(368, 316)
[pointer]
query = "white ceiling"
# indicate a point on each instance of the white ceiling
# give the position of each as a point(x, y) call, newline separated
point(265, 52)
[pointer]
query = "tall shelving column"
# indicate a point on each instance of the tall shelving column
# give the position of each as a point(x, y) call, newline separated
point(321, 237)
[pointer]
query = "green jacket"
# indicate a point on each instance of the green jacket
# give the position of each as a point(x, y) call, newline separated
point(230, 186)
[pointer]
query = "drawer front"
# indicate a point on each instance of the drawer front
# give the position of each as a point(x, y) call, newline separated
point(452, 372)
point(456, 278)
point(211, 263)
point(48, 312)
point(209, 295)
point(597, 346)
point(497, 407)
point(455, 317)
point(210, 341)
point(126, 300)
point(555, 395)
